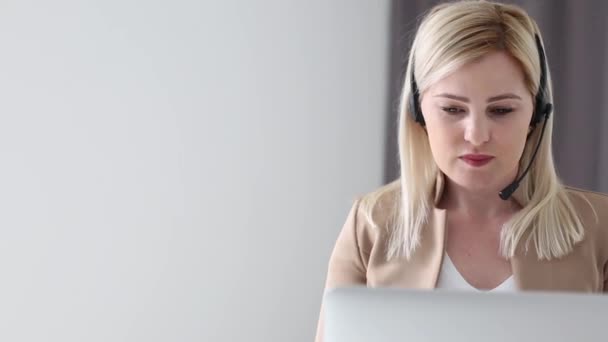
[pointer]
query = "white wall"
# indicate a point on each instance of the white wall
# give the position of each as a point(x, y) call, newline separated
point(178, 170)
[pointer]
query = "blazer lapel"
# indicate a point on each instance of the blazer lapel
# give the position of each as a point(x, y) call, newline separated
point(422, 270)
point(574, 272)
point(429, 256)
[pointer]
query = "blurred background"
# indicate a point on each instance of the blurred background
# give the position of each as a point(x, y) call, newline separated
point(179, 170)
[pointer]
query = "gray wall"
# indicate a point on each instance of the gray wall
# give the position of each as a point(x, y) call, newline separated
point(179, 170)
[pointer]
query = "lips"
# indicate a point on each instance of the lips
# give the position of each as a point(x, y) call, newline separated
point(476, 159)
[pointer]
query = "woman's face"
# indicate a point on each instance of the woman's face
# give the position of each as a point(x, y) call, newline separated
point(482, 110)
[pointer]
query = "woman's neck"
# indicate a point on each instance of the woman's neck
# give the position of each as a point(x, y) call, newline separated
point(476, 204)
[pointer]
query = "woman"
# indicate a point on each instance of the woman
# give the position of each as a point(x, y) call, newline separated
point(478, 205)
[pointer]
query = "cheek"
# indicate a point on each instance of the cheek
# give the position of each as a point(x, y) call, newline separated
point(511, 144)
point(443, 139)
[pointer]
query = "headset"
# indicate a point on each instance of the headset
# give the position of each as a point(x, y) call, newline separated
point(542, 111)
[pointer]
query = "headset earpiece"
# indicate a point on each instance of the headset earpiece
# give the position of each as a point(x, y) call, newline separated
point(414, 100)
point(542, 106)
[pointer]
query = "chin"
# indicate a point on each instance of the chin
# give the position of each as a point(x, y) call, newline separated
point(476, 181)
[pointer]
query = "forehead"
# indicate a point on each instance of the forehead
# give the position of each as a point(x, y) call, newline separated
point(495, 72)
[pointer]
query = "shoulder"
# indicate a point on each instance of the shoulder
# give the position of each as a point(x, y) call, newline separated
point(592, 209)
point(378, 209)
point(589, 204)
point(596, 196)
point(372, 215)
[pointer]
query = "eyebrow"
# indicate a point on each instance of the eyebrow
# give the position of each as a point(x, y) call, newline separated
point(490, 99)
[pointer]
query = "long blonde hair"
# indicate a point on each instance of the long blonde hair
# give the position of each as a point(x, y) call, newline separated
point(449, 36)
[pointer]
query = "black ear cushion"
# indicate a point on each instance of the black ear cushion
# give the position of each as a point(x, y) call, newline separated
point(548, 110)
point(414, 102)
point(542, 107)
point(414, 106)
point(541, 111)
point(537, 114)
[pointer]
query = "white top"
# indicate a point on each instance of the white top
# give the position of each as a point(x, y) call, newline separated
point(450, 278)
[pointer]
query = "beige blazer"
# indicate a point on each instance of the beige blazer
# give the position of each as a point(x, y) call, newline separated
point(358, 257)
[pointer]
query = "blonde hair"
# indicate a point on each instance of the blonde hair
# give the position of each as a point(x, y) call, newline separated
point(450, 36)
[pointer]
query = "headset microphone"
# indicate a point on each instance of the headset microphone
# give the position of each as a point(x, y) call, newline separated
point(510, 189)
point(542, 110)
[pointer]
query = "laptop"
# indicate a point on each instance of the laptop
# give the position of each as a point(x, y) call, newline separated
point(391, 315)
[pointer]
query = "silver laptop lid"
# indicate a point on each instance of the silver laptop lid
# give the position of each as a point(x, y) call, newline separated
point(389, 315)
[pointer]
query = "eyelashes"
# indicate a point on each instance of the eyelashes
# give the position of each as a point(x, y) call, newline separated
point(452, 110)
point(496, 110)
point(501, 110)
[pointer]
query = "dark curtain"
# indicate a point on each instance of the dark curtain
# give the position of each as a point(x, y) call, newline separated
point(576, 44)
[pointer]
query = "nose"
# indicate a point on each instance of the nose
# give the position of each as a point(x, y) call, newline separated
point(477, 130)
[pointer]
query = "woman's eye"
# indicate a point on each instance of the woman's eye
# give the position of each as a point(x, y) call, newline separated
point(496, 111)
point(501, 111)
point(452, 110)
